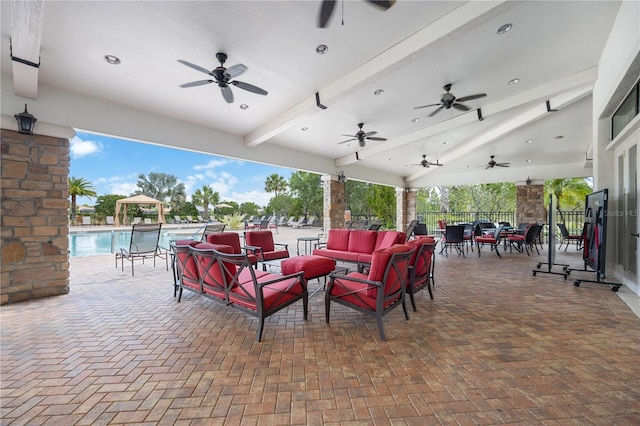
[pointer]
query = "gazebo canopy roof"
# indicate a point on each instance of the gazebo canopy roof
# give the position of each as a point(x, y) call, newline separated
point(138, 199)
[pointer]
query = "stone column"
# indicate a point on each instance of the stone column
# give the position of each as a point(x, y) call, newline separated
point(35, 223)
point(334, 202)
point(406, 207)
point(530, 207)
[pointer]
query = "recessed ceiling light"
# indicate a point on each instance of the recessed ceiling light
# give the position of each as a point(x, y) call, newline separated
point(558, 137)
point(444, 142)
point(378, 92)
point(529, 140)
point(244, 106)
point(514, 81)
point(304, 129)
point(528, 161)
point(322, 49)
point(415, 120)
point(112, 59)
point(468, 166)
point(503, 29)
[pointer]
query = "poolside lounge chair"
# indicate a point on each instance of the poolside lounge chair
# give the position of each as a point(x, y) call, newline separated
point(136, 220)
point(143, 245)
point(86, 220)
point(178, 219)
point(109, 220)
point(201, 219)
point(212, 229)
point(147, 220)
point(190, 219)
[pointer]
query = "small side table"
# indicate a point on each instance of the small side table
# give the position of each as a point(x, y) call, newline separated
point(308, 244)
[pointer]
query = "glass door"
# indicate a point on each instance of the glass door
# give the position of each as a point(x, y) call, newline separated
point(627, 252)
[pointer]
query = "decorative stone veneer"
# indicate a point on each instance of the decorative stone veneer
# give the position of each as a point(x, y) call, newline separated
point(334, 202)
point(530, 206)
point(35, 225)
point(406, 207)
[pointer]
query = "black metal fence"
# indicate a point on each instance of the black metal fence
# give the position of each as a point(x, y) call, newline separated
point(572, 219)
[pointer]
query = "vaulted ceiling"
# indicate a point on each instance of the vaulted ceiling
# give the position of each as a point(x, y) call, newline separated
point(541, 126)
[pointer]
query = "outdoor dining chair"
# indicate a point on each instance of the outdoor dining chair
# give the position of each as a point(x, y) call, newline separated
point(453, 237)
point(492, 239)
point(567, 237)
point(143, 245)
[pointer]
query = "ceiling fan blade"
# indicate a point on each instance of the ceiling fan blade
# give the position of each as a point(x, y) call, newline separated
point(383, 4)
point(375, 138)
point(502, 164)
point(369, 134)
point(249, 87)
point(488, 167)
point(348, 140)
point(197, 83)
point(435, 111)
point(471, 97)
point(349, 136)
point(461, 107)
point(326, 10)
point(427, 106)
point(194, 66)
point(227, 94)
point(436, 164)
point(235, 70)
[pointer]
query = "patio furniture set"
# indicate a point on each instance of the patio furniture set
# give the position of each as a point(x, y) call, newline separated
point(223, 270)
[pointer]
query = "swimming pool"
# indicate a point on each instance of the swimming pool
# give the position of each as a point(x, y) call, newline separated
point(92, 243)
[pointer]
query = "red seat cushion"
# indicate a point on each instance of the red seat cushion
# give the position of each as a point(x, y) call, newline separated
point(274, 295)
point(312, 266)
point(354, 292)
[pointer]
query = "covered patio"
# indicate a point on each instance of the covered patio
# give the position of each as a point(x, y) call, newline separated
point(495, 346)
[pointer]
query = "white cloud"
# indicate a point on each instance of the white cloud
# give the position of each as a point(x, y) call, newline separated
point(80, 148)
point(210, 165)
point(258, 197)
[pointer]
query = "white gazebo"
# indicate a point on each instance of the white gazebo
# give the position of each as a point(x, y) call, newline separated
point(138, 199)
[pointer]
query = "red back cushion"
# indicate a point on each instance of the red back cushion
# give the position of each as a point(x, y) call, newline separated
point(210, 271)
point(380, 260)
point(191, 243)
point(388, 238)
point(422, 263)
point(226, 238)
point(338, 239)
point(262, 239)
point(362, 241)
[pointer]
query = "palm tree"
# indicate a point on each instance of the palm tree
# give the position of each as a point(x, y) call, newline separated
point(205, 197)
point(276, 184)
point(79, 187)
point(571, 191)
point(163, 187)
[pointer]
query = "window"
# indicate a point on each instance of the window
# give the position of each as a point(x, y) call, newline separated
point(625, 112)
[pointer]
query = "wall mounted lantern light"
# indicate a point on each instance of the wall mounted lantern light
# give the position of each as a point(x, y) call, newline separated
point(341, 177)
point(26, 121)
point(528, 181)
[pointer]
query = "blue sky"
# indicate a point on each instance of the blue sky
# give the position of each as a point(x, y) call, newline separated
point(112, 165)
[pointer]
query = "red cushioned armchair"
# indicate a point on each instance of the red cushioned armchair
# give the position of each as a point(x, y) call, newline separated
point(260, 243)
point(377, 293)
point(231, 239)
point(421, 267)
point(258, 293)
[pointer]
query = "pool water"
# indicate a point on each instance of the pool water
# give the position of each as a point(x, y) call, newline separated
point(93, 243)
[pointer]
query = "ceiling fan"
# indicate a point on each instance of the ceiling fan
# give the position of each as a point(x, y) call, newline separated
point(223, 78)
point(449, 100)
point(493, 164)
point(361, 136)
point(425, 163)
point(326, 9)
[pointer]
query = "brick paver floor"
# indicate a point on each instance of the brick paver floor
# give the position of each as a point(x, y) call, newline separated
point(495, 346)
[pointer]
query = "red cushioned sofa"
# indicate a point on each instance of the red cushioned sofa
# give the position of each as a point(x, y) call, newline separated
point(216, 272)
point(354, 245)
